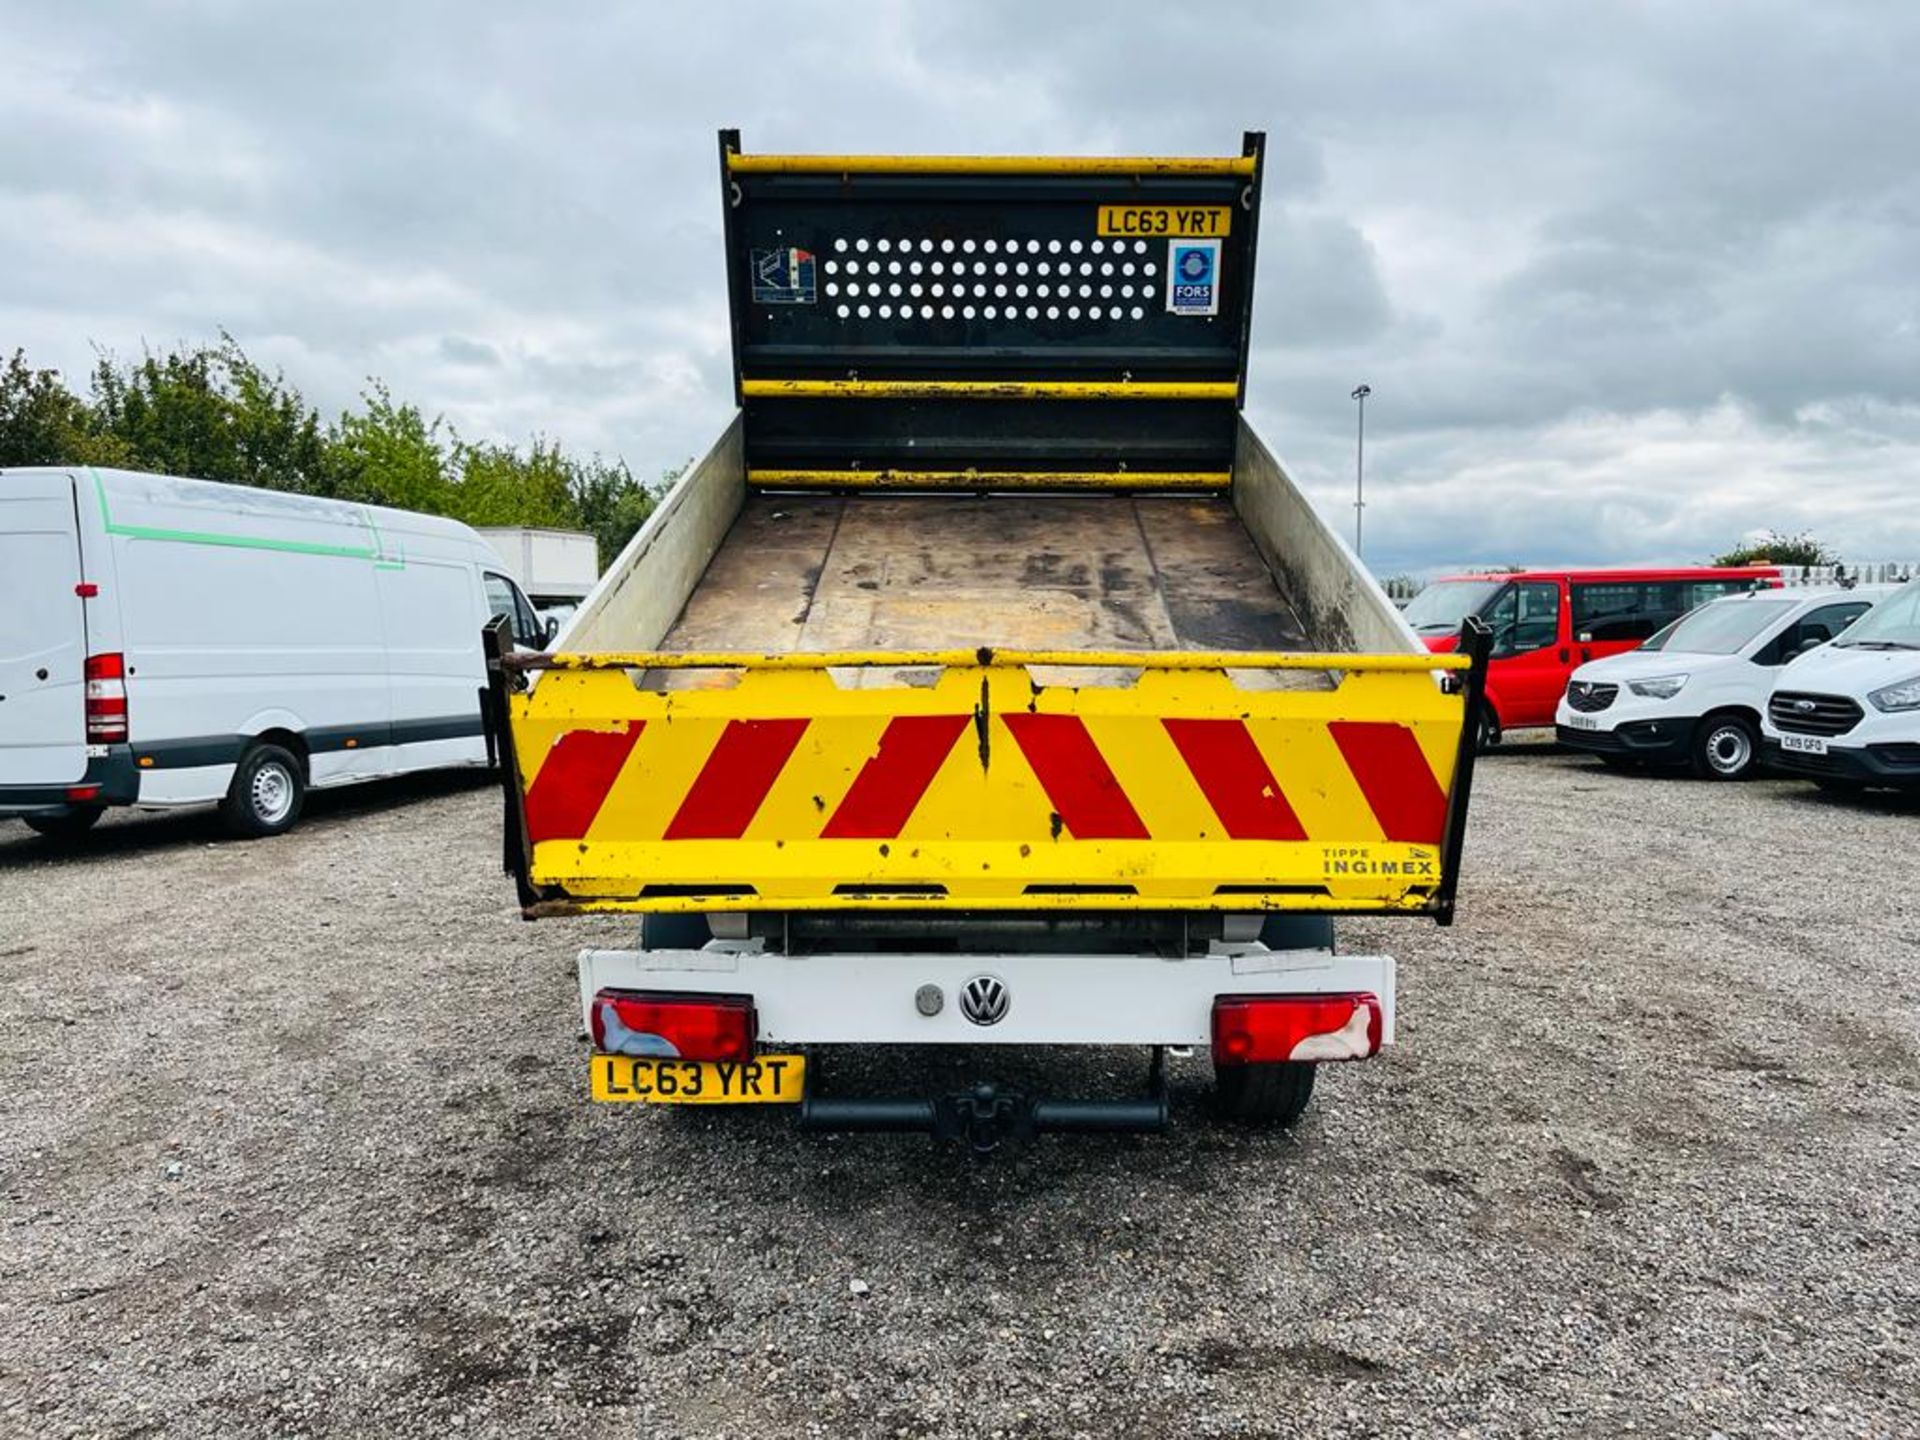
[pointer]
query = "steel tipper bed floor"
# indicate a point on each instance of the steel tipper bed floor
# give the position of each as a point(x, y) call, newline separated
point(805, 572)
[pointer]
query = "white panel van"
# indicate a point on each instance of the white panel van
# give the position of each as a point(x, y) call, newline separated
point(1847, 716)
point(170, 642)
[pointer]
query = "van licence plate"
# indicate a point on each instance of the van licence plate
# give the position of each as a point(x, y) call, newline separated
point(763, 1080)
point(1582, 722)
point(1804, 744)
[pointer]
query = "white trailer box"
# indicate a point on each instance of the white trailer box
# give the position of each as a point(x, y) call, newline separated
point(551, 565)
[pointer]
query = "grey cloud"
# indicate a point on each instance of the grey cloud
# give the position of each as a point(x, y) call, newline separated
point(1626, 280)
point(458, 350)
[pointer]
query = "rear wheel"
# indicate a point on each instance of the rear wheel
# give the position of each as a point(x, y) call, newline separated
point(1724, 748)
point(269, 787)
point(1486, 734)
point(1271, 1093)
point(68, 824)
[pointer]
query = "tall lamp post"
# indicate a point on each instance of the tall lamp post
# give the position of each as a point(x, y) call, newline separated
point(1360, 394)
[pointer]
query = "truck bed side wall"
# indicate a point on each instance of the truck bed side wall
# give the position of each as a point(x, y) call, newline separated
point(642, 592)
point(1339, 603)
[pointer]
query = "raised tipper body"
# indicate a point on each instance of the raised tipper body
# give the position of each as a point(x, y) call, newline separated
point(989, 681)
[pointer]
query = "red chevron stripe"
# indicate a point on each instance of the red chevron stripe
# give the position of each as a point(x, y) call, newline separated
point(912, 749)
point(572, 785)
point(1235, 779)
point(1395, 777)
point(1078, 782)
point(735, 779)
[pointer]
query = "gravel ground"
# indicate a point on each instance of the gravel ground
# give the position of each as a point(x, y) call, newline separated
point(293, 1140)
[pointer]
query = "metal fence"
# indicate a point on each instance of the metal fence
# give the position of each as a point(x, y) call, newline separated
point(1402, 588)
point(1878, 572)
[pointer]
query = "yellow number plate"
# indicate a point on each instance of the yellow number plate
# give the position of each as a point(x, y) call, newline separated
point(1183, 222)
point(763, 1080)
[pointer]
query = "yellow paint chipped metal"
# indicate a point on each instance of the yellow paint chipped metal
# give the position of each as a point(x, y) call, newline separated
point(990, 165)
point(991, 389)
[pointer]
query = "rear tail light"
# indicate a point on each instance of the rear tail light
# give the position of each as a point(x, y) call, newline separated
point(106, 699)
point(693, 1027)
point(1255, 1029)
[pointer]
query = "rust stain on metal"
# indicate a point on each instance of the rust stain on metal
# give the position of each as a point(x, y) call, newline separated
point(982, 726)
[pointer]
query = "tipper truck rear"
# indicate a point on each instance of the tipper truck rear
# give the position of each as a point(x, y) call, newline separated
point(989, 682)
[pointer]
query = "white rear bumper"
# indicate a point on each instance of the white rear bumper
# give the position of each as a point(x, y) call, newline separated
point(1054, 999)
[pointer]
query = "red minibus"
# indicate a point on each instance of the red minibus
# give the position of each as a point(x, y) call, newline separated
point(1546, 622)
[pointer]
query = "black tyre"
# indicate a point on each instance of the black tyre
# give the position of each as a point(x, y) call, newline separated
point(1725, 747)
point(68, 824)
point(1273, 1093)
point(268, 790)
point(1486, 734)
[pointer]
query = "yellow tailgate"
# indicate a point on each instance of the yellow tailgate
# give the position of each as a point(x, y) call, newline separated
point(787, 783)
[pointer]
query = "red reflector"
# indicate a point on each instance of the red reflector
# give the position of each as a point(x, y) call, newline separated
point(693, 1027)
point(86, 589)
point(1254, 1029)
point(106, 698)
point(83, 792)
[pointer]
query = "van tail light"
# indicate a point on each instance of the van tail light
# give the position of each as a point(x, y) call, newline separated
point(693, 1027)
point(106, 699)
point(1255, 1029)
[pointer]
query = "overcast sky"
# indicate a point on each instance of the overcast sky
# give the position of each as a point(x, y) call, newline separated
point(1628, 281)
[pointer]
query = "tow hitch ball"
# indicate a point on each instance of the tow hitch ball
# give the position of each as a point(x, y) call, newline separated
point(983, 1118)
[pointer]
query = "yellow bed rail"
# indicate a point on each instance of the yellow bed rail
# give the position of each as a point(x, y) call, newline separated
point(990, 389)
point(990, 164)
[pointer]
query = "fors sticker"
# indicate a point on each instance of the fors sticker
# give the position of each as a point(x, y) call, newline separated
point(1193, 277)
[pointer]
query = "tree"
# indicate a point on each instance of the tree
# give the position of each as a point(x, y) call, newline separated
point(212, 414)
point(613, 505)
point(44, 423)
point(497, 485)
point(1772, 548)
point(388, 455)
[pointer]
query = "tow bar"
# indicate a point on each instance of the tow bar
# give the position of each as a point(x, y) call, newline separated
point(986, 1117)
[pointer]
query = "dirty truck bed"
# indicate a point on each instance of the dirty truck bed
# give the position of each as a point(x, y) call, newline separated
point(811, 572)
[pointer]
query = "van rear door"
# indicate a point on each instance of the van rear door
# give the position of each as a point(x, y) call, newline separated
point(43, 638)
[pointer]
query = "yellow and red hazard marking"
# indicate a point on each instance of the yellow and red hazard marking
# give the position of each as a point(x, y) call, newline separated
point(1184, 789)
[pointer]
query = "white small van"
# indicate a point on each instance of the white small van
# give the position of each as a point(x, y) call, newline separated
point(170, 642)
point(1848, 714)
point(1694, 693)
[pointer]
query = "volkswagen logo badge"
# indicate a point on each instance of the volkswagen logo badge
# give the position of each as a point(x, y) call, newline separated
point(984, 1000)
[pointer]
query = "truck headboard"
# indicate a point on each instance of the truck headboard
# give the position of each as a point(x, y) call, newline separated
point(882, 304)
